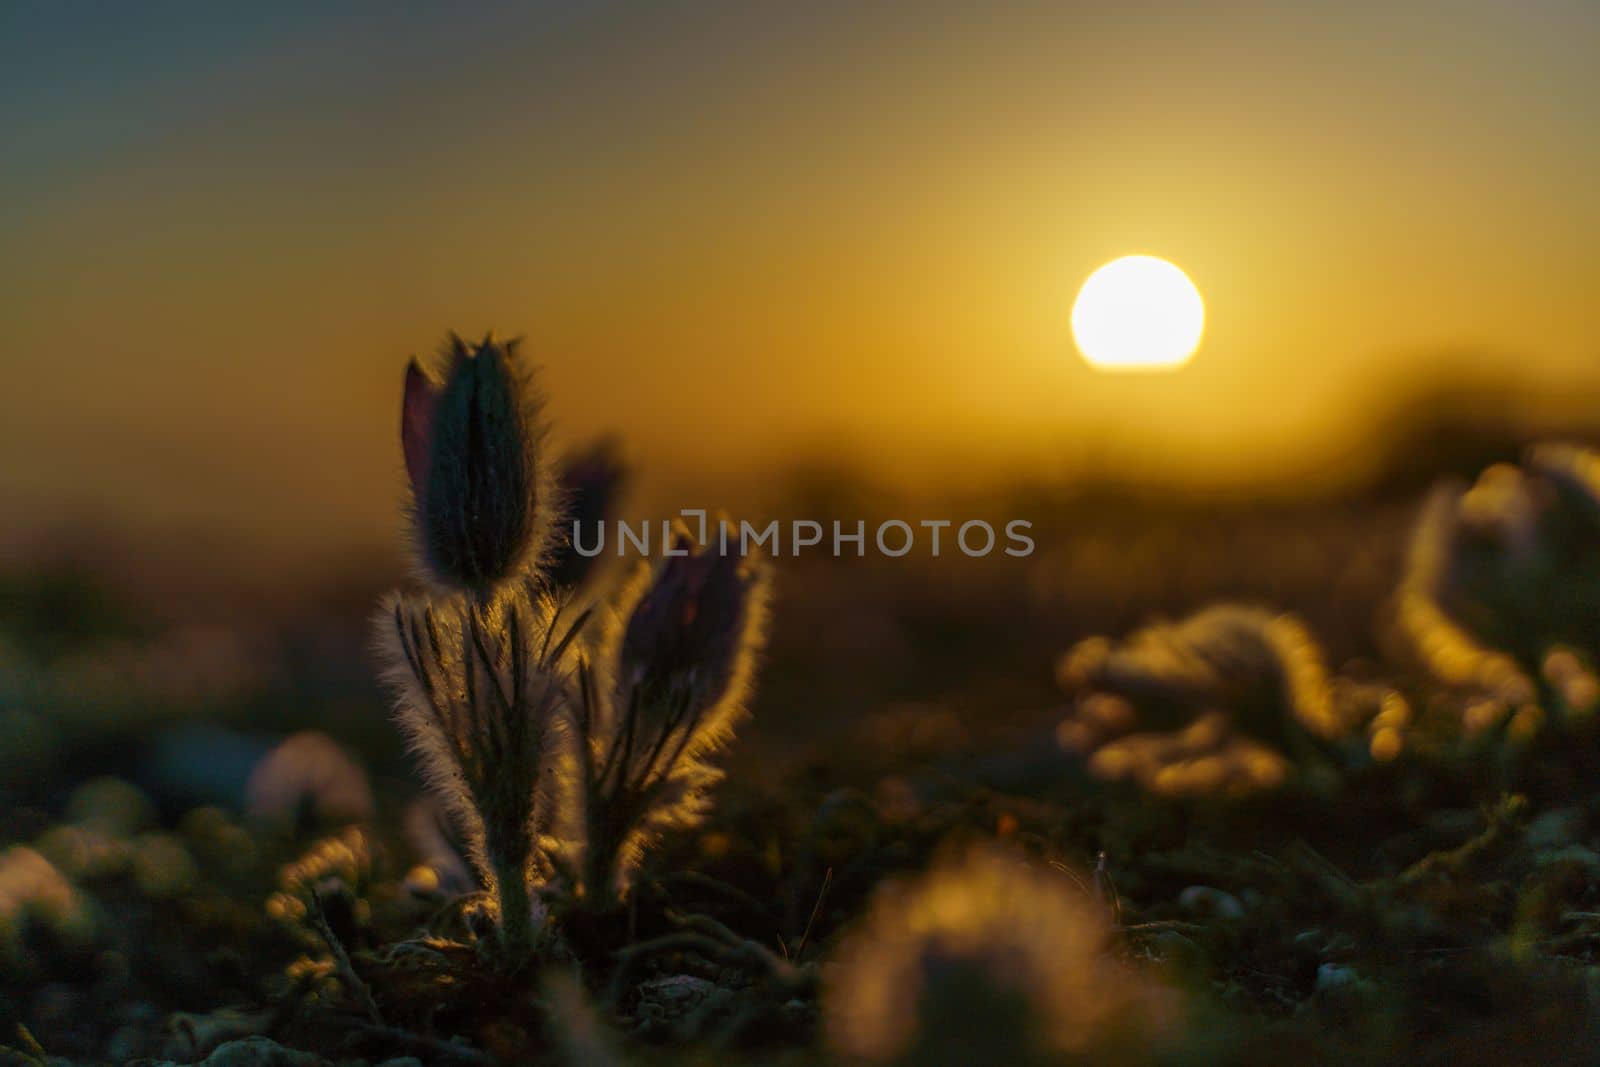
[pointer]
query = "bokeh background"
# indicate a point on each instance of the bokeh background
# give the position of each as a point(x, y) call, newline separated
point(815, 262)
point(750, 239)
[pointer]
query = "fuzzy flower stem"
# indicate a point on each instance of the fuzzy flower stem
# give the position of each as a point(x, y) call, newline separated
point(516, 908)
point(506, 842)
point(603, 841)
point(481, 697)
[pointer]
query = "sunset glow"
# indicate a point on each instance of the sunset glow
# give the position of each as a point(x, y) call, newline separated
point(836, 534)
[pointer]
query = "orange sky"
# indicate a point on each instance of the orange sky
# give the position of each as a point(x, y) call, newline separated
point(738, 236)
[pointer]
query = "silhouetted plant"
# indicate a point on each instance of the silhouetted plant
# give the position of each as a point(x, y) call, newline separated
point(988, 958)
point(668, 681)
point(481, 675)
point(557, 761)
point(1214, 702)
point(1263, 669)
point(1501, 584)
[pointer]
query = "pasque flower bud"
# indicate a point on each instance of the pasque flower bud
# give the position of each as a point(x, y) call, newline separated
point(591, 482)
point(480, 489)
point(685, 634)
point(673, 671)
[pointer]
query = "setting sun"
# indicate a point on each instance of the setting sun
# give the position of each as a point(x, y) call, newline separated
point(1138, 313)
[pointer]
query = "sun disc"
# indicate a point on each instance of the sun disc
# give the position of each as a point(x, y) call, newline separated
point(1138, 313)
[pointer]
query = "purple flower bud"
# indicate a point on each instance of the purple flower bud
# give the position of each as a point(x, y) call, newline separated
point(416, 424)
point(685, 636)
point(591, 481)
point(480, 492)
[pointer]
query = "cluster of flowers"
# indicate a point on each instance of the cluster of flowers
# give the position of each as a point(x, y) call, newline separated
point(560, 740)
point(1497, 609)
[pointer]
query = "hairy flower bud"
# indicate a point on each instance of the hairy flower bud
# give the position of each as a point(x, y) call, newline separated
point(481, 493)
point(591, 481)
point(684, 637)
point(671, 680)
